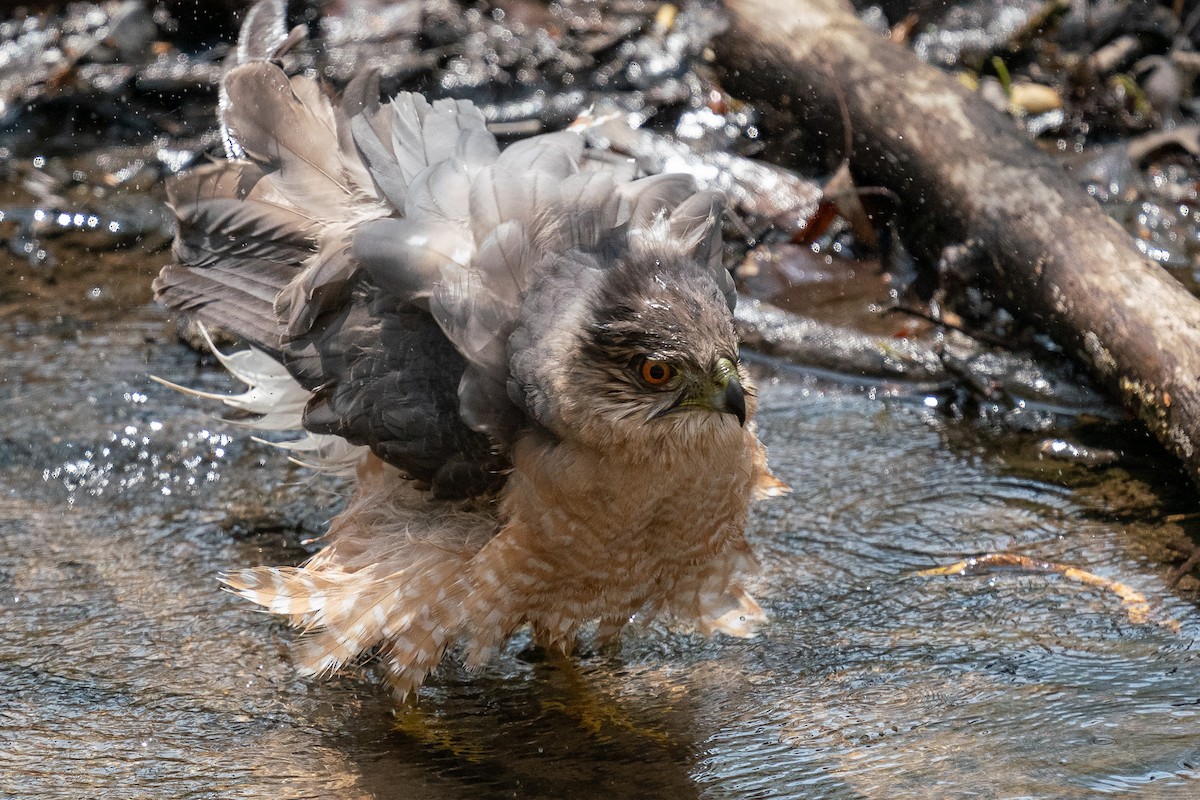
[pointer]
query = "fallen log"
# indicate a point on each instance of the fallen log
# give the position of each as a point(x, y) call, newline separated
point(963, 174)
point(774, 332)
point(919, 363)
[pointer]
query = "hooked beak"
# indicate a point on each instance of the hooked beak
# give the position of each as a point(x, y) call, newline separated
point(726, 395)
point(732, 400)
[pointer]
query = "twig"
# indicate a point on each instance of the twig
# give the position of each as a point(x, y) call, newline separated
point(1135, 603)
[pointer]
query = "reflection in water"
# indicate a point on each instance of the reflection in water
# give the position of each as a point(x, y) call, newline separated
point(127, 672)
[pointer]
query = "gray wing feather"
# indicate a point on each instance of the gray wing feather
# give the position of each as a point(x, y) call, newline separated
point(361, 95)
point(555, 153)
point(227, 209)
point(264, 32)
point(644, 200)
point(402, 265)
point(441, 192)
point(507, 255)
point(590, 204)
point(425, 134)
point(524, 183)
point(381, 163)
point(407, 257)
point(236, 296)
point(476, 149)
point(289, 127)
point(696, 224)
point(401, 140)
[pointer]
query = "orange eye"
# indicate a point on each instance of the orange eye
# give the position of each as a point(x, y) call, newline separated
point(656, 373)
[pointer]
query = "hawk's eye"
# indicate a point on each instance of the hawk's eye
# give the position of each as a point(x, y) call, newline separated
point(655, 373)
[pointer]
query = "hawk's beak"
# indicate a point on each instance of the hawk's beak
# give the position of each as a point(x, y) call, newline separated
point(732, 400)
point(728, 395)
point(725, 396)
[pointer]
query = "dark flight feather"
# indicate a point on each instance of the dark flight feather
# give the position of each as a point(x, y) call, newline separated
point(401, 266)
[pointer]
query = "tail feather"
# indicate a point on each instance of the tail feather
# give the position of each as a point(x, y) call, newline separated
point(394, 577)
point(278, 401)
point(280, 590)
point(411, 615)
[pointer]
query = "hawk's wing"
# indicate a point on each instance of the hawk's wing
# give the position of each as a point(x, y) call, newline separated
point(384, 254)
point(265, 249)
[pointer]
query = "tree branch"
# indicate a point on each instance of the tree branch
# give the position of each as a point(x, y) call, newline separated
point(964, 174)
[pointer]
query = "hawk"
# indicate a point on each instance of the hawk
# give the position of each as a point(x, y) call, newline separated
point(529, 365)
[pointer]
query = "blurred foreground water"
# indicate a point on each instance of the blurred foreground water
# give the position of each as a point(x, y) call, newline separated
point(128, 673)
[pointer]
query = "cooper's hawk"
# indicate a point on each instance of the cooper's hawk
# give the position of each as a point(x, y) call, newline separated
point(531, 367)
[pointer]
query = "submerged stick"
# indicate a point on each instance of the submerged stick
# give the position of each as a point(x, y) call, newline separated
point(1135, 603)
point(965, 175)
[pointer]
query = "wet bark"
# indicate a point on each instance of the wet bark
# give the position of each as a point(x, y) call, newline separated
point(774, 332)
point(964, 174)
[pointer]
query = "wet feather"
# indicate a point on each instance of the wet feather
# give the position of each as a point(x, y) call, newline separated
point(466, 321)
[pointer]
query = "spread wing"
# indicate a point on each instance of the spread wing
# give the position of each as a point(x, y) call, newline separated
point(384, 254)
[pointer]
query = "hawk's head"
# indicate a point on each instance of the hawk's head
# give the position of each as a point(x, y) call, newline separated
point(639, 346)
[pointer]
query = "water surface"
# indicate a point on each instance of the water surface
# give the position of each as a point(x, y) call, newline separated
point(128, 673)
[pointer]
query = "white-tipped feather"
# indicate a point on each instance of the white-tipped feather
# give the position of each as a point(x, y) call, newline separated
point(272, 391)
point(278, 401)
point(331, 455)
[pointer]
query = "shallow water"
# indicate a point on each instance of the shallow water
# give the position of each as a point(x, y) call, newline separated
point(128, 673)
